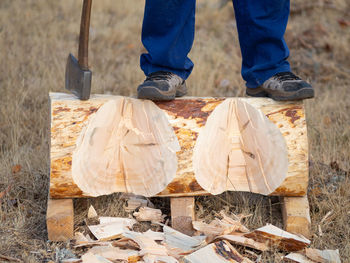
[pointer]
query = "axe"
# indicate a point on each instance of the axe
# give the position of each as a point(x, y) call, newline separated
point(78, 75)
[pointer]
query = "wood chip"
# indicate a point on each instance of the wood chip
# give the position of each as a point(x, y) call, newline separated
point(146, 244)
point(149, 214)
point(111, 228)
point(323, 256)
point(276, 237)
point(244, 241)
point(92, 212)
point(219, 252)
point(297, 258)
point(91, 258)
point(176, 239)
point(113, 253)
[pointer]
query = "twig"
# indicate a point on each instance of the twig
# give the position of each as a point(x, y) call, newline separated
point(10, 258)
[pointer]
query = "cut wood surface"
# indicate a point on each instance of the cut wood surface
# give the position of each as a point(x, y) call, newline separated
point(182, 214)
point(60, 219)
point(296, 215)
point(70, 118)
point(240, 149)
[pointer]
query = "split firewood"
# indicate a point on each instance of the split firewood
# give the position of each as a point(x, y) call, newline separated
point(176, 239)
point(219, 252)
point(250, 152)
point(113, 253)
point(111, 227)
point(157, 259)
point(127, 146)
point(323, 256)
point(125, 243)
point(91, 258)
point(244, 241)
point(296, 258)
point(146, 244)
point(156, 236)
point(149, 214)
point(276, 237)
point(238, 226)
point(92, 212)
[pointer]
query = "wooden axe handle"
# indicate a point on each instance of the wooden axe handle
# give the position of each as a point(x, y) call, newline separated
point(84, 35)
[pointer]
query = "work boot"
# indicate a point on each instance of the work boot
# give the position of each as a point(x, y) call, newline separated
point(283, 86)
point(162, 85)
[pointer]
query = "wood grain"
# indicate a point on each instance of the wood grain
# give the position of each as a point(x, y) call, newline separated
point(187, 116)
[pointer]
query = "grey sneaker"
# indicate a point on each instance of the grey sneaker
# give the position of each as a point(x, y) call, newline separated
point(162, 85)
point(283, 86)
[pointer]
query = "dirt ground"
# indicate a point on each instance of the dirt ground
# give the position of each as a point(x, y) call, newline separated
point(35, 39)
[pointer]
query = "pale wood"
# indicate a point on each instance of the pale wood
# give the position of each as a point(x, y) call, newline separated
point(240, 149)
point(182, 214)
point(276, 237)
point(219, 252)
point(296, 215)
point(111, 227)
point(296, 258)
point(244, 241)
point(187, 116)
point(92, 212)
point(149, 214)
point(60, 219)
point(177, 240)
point(127, 146)
point(113, 253)
point(323, 256)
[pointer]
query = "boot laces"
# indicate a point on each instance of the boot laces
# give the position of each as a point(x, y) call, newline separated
point(285, 76)
point(159, 75)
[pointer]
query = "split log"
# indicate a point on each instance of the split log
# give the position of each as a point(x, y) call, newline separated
point(74, 126)
point(276, 237)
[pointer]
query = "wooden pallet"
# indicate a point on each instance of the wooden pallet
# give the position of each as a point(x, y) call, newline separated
point(69, 115)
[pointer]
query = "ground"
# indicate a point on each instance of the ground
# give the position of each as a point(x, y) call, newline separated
point(35, 39)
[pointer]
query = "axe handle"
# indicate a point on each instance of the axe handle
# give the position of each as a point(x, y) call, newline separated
point(84, 35)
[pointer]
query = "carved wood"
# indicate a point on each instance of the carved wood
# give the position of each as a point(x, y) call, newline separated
point(187, 116)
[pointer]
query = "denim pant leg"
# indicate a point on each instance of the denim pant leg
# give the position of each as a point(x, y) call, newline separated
point(168, 34)
point(261, 26)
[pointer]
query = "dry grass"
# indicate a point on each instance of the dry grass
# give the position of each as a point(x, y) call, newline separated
point(35, 38)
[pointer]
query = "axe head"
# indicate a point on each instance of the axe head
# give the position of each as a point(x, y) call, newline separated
point(78, 80)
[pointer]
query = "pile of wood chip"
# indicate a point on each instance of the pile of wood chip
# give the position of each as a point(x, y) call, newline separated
point(225, 239)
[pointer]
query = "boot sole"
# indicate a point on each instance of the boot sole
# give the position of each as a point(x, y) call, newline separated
point(152, 93)
point(304, 93)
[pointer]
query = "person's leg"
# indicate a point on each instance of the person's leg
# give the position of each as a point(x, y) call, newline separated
point(167, 34)
point(261, 25)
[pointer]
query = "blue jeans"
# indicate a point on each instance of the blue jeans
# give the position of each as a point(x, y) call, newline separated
point(168, 34)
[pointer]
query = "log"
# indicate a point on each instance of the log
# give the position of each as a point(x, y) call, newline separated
point(71, 121)
point(296, 215)
point(60, 219)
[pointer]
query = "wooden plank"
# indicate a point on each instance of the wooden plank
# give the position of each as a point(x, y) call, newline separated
point(188, 117)
point(182, 214)
point(60, 219)
point(296, 215)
